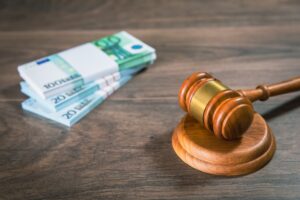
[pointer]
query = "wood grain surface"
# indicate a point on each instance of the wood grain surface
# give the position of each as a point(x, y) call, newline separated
point(122, 149)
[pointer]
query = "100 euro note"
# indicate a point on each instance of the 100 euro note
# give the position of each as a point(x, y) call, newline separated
point(76, 111)
point(83, 64)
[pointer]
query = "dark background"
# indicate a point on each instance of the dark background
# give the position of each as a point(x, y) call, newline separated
point(122, 149)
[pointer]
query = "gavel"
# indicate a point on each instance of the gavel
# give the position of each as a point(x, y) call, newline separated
point(226, 113)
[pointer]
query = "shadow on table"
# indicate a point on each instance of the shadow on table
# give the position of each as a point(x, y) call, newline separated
point(174, 172)
point(170, 169)
point(12, 97)
point(282, 109)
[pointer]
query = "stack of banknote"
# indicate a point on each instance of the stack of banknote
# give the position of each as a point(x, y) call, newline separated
point(64, 87)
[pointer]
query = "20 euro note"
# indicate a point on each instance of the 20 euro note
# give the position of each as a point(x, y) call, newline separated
point(58, 102)
point(85, 63)
point(74, 112)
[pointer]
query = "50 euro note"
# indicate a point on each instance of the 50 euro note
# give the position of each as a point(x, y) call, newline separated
point(58, 102)
point(83, 64)
point(76, 111)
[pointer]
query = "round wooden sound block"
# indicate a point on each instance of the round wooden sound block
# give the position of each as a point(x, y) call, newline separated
point(202, 150)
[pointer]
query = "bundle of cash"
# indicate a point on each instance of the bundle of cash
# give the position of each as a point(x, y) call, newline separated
point(64, 87)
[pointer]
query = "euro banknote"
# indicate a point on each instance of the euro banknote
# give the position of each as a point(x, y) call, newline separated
point(57, 102)
point(83, 64)
point(76, 111)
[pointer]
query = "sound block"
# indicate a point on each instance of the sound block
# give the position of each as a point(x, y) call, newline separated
point(203, 151)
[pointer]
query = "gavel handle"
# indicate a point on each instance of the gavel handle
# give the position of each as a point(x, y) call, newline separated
point(263, 92)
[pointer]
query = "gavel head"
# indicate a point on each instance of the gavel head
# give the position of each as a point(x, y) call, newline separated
point(225, 112)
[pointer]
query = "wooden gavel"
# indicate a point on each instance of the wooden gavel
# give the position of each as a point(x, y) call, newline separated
point(225, 112)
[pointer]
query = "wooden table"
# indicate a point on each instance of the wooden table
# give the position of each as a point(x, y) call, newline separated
point(122, 149)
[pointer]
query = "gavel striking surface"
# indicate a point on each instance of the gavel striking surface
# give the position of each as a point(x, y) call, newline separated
point(203, 151)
